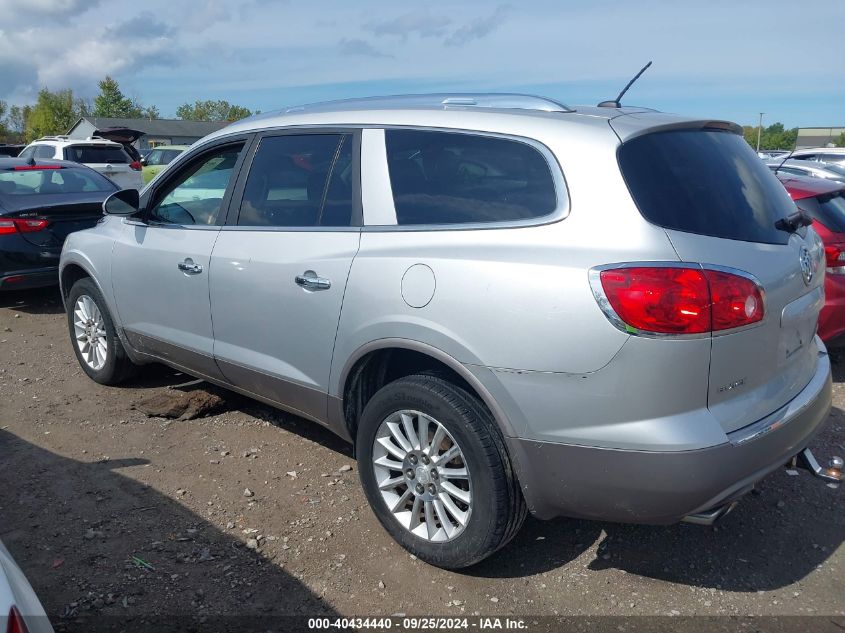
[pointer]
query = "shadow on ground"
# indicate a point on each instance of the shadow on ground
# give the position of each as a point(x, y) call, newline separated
point(99, 546)
point(36, 301)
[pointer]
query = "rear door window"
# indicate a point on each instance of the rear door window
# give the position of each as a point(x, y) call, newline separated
point(456, 178)
point(707, 182)
point(299, 180)
point(97, 154)
point(44, 151)
point(829, 210)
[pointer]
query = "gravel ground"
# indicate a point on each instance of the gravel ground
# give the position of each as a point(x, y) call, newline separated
point(253, 511)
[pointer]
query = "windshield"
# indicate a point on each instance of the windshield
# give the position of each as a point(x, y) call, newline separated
point(708, 182)
point(52, 181)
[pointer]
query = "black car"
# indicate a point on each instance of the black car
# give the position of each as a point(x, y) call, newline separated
point(40, 204)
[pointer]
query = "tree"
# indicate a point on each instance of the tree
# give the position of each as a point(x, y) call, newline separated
point(150, 112)
point(776, 136)
point(839, 141)
point(111, 102)
point(54, 113)
point(212, 111)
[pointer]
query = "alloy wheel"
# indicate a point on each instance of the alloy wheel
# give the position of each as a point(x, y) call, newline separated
point(422, 475)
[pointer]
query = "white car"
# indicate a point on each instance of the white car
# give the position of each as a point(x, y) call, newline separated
point(20, 609)
point(107, 157)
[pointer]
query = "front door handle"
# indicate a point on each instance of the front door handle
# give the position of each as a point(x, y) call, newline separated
point(310, 281)
point(188, 266)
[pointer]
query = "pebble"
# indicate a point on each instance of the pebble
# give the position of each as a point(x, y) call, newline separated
point(291, 474)
point(252, 543)
point(345, 468)
point(248, 493)
point(230, 525)
point(381, 584)
point(494, 599)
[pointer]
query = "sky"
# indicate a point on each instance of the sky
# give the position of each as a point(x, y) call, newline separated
point(727, 59)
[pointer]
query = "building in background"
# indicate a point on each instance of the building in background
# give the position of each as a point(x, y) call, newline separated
point(817, 136)
point(156, 131)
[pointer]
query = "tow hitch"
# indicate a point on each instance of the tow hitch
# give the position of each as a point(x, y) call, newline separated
point(806, 460)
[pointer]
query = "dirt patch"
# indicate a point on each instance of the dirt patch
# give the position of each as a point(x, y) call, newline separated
point(180, 405)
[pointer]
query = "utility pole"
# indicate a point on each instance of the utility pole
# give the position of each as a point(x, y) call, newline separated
point(760, 131)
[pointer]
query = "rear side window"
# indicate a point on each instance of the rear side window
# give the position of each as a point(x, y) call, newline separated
point(44, 151)
point(457, 178)
point(162, 156)
point(706, 182)
point(829, 210)
point(299, 180)
point(96, 154)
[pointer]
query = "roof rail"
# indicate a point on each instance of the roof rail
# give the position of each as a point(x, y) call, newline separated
point(53, 137)
point(503, 101)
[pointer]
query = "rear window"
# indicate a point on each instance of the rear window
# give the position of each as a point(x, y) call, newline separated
point(706, 182)
point(829, 210)
point(454, 178)
point(52, 181)
point(96, 154)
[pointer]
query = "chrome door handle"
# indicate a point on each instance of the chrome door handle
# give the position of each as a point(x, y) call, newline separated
point(310, 281)
point(188, 266)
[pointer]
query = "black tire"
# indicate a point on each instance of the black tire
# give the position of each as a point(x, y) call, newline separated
point(117, 366)
point(498, 508)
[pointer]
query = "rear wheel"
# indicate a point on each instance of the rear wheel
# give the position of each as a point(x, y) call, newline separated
point(94, 337)
point(435, 470)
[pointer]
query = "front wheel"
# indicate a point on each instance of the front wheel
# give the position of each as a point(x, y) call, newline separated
point(435, 471)
point(94, 337)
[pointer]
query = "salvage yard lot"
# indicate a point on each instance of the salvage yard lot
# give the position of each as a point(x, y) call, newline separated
point(253, 511)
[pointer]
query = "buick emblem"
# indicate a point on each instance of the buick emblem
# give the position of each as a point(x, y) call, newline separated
point(806, 265)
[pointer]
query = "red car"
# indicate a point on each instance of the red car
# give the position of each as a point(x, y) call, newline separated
point(824, 202)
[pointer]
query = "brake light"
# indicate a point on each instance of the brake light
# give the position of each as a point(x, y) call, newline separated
point(135, 165)
point(667, 300)
point(835, 258)
point(35, 167)
point(26, 225)
point(15, 623)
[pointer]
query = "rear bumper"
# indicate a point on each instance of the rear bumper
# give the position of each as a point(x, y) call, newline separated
point(661, 487)
point(25, 279)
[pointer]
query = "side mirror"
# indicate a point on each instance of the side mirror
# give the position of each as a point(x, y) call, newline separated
point(123, 202)
point(144, 161)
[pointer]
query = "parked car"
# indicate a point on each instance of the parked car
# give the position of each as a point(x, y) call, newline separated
point(107, 157)
point(40, 205)
point(808, 169)
point(831, 155)
point(506, 304)
point(158, 158)
point(824, 202)
point(772, 153)
point(20, 610)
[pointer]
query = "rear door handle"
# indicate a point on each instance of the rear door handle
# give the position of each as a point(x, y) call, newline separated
point(188, 266)
point(310, 281)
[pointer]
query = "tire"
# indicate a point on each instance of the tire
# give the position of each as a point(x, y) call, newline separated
point(495, 510)
point(109, 364)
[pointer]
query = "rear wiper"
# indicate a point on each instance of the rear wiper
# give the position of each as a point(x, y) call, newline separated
point(793, 222)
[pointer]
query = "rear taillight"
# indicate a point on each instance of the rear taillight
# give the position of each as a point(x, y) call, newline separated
point(135, 165)
point(15, 623)
point(7, 227)
point(674, 300)
point(835, 258)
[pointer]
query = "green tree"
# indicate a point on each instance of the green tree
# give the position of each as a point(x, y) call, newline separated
point(150, 112)
point(775, 136)
point(54, 113)
point(212, 111)
point(111, 102)
point(839, 141)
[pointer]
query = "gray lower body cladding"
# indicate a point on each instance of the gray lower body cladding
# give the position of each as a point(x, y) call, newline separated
point(630, 486)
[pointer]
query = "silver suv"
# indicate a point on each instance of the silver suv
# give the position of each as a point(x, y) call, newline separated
point(506, 304)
